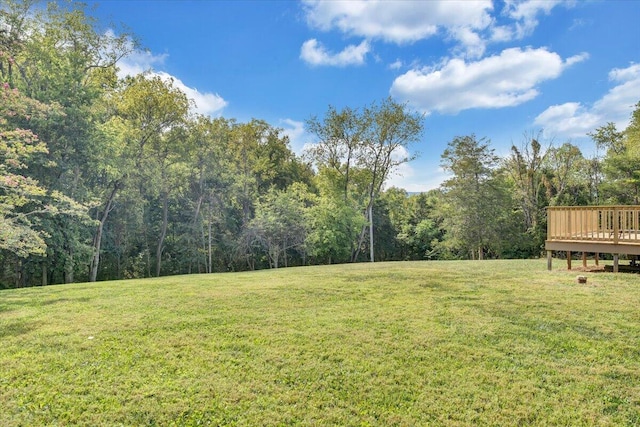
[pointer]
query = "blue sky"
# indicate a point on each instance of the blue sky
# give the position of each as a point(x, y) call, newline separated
point(498, 69)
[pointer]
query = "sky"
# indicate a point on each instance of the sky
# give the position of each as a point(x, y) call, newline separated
point(501, 70)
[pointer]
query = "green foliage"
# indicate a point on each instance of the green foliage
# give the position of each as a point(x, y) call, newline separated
point(621, 165)
point(525, 169)
point(566, 176)
point(474, 198)
point(359, 149)
point(334, 225)
point(21, 197)
point(278, 225)
point(413, 222)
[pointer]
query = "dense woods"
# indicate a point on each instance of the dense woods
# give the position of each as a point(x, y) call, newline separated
point(104, 177)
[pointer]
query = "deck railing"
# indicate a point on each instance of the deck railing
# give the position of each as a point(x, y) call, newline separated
point(615, 224)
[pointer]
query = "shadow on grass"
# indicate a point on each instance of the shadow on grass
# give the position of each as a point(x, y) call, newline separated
point(64, 300)
point(17, 304)
point(16, 328)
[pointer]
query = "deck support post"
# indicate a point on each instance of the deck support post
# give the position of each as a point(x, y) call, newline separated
point(568, 260)
point(584, 259)
point(549, 260)
point(615, 263)
point(597, 258)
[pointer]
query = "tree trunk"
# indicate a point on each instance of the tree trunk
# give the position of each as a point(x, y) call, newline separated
point(276, 258)
point(163, 232)
point(363, 232)
point(18, 272)
point(69, 267)
point(356, 252)
point(371, 232)
point(193, 245)
point(97, 239)
point(209, 248)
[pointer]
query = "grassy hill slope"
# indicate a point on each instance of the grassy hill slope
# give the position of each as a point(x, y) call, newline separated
point(438, 343)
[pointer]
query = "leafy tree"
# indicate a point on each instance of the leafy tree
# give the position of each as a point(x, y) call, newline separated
point(333, 227)
point(393, 129)
point(609, 138)
point(154, 112)
point(474, 198)
point(261, 158)
point(55, 55)
point(566, 180)
point(277, 226)
point(20, 195)
point(209, 179)
point(525, 168)
point(621, 164)
point(418, 229)
point(25, 205)
point(340, 137)
point(541, 176)
point(362, 148)
point(632, 132)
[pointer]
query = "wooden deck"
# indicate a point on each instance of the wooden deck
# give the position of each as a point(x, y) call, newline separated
point(594, 229)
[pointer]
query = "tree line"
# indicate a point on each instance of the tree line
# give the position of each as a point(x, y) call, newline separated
point(104, 177)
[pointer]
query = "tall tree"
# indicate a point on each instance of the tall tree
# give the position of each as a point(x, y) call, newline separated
point(141, 135)
point(333, 223)
point(277, 226)
point(525, 167)
point(20, 195)
point(621, 164)
point(340, 138)
point(55, 55)
point(474, 197)
point(155, 110)
point(567, 176)
point(362, 148)
point(207, 141)
point(25, 204)
point(393, 128)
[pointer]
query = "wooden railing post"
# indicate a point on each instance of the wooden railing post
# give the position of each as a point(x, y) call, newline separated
point(616, 225)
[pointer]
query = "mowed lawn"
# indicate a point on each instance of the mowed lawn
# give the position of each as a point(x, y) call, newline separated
point(416, 343)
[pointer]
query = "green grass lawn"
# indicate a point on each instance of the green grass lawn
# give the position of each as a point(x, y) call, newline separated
point(420, 343)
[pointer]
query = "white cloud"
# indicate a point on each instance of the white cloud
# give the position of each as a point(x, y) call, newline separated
point(138, 62)
point(472, 44)
point(396, 65)
point(521, 18)
point(414, 179)
point(501, 33)
point(471, 24)
point(403, 21)
point(208, 104)
point(298, 138)
point(573, 119)
point(526, 12)
point(411, 177)
point(570, 119)
point(399, 21)
point(576, 59)
point(503, 80)
point(314, 53)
